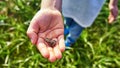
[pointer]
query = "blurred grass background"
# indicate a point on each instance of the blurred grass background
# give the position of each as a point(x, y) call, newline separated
point(97, 47)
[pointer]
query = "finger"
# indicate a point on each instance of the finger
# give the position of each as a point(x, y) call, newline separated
point(57, 52)
point(33, 36)
point(61, 43)
point(52, 57)
point(32, 32)
point(111, 19)
point(42, 48)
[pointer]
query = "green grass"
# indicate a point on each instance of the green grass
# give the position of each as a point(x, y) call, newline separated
point(97, 47)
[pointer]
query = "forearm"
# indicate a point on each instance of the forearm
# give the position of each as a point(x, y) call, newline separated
point(113, 2)
point(52, 4)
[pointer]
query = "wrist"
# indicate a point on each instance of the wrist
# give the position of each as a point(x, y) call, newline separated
point(51, 4)
point(49, 10)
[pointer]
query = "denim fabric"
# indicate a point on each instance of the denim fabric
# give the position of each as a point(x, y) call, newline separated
point(84, 12)
point(72, 31)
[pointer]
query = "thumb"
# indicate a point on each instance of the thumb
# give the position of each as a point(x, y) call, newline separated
point(32, 32)
point(111, 19)
point(33, 36)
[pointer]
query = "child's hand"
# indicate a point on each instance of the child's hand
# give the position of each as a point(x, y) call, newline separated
point(47, 23)
point(113, 13)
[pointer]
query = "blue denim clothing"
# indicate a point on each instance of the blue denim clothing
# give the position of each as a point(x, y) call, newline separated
point(72, 31)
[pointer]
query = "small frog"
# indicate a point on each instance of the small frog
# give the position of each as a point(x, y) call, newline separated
point(50, 42)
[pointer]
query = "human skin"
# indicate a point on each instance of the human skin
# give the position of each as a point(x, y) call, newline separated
point(48, 23)
point(113, 7)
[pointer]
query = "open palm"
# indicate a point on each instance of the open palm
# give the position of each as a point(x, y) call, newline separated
point(47, 24)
